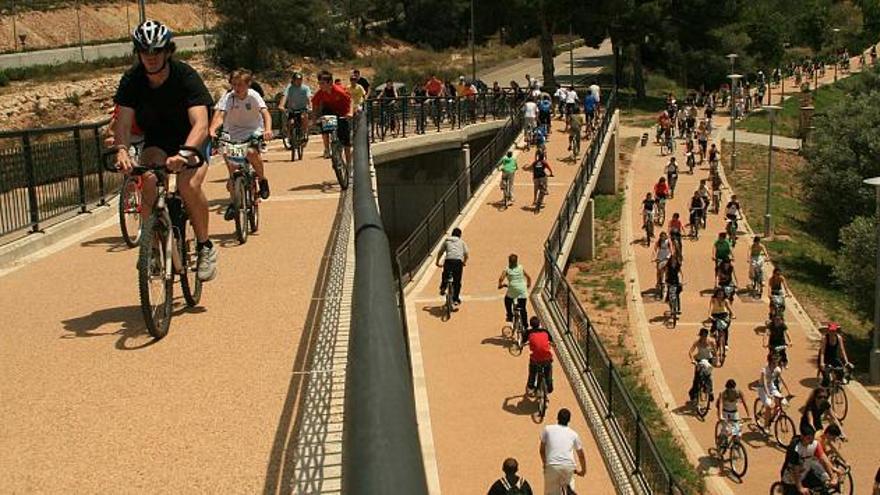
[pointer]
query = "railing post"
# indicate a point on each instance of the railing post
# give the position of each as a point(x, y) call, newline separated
point(31, 182)
point(101, 191)
point(610, 397)
point(638, 444)
point(81, 177)
point(403, 115)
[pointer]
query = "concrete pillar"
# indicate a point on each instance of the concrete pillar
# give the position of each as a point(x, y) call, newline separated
point(466, 160)
point(607, 181)
point(584, 248)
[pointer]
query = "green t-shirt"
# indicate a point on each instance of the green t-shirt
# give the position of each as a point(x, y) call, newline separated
point(516, 283)
point(508, 164)
point(722, 249)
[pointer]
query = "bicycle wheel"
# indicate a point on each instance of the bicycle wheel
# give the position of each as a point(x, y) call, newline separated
point(239, 202)
point(722, 352)
point(130, 200)
point(507, 331)
point(719, 426)
point(846, 486)
point(738, 459)
point(339, 166)
point(447, 306)
point(777, 488)
point(155, 285)
point(703, 401)
point(839, 402)
point(190, 285)
point(783, 429)
point(516, 349)
point(286, 138)
point(253, 211)
point(541, 395)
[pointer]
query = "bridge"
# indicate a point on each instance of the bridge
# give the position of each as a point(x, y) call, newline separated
point(313, 366)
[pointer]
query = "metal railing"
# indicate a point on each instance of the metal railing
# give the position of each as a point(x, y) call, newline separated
point(47, 173)
point(381, 439)
point(633, 440)
point(416, 248)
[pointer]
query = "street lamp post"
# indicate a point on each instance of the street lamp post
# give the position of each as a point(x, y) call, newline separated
point(142, 11)
point(875, 350)
point(571, 53)
point(836, 59)
point(732, 58)
point(771, 109)
point(734, 78)
point(473, 49)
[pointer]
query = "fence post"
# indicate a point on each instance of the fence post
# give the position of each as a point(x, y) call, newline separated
point(568, 311)
point(81, 178)
point(610, 412)
point(403, 117)
point(101, 191)
point(31, 182)
point(638, 443)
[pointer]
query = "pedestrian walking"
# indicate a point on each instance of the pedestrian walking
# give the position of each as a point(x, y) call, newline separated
point(510, 483)
point(558, 443)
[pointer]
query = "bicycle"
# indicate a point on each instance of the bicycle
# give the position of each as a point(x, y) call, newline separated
point(726, 442)
point(691, 162)
point(539, 201)
point(660, 217)
point(839, 375)
point(507, 189)
point(648, 225)
point(783, 425)
point(716, 201)
point(167, 247)
point(330, 123)
point(245, 198)
point(703, 402)
point(575, 142)
point(672, 298)
point(695, 225)
point(757, 285)
point(294, 138)
point(515, 332)
point(131, 198)
point(732, 230)
point(448, 303)
point(541, 395)
point(844, 485)
point(719, 329)
point(777, 305)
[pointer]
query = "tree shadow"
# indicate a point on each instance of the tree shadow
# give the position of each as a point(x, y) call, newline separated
point(113, 244)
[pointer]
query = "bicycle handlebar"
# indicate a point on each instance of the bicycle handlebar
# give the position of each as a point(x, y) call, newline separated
point(110, 165)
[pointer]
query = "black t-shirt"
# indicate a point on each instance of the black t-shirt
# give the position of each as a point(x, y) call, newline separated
point(364, 84)
point(648, 205)
point(777, 334)
point(259, 89)
point(388, 92)
point(539, 169)
point(162, 112)
point(498, 488)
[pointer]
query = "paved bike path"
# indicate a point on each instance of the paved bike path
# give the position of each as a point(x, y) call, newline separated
point(746, 356)
point(90, 404)
point(474, 386)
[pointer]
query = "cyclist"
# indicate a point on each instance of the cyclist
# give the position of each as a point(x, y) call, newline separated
point(296, 100)
point(544, 108)
point(722, 250)
point(648, 205)
point(332, 99)
point(530, 122)
point(243, 115)
point(540, 138)
point(358, 95)
point(571, 100)
point(806, 465)
point(518, 284)
point(720, 309)
point(672, 175)
point(540, 171)
point(662, 253)
point(724, 277)
point(696, 210)
point(777, 336)
point(674, 278)
point(734, 210)
point(701, 350)
point(713, 159)
point(456, 251)
point(576, 123)
point(661, 191)
point(816, 409)
point(776, 282)
point(169, 101)
point(590, 104)
point(560, 95)
point(508, 168)
point(702, 140)
point(362, 81)
point(829, 438)
point(728, 402)
point(540, 355)
point(832, 352)
point(705, 194)
point(769, 386)
point(510, 482)
point(434, 87)
point(675, 232)
point(756, 256)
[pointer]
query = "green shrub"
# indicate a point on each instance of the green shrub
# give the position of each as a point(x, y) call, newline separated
point(4, 79)
point(855, 268)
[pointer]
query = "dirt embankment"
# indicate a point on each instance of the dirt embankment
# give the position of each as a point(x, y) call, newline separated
point(58, 27)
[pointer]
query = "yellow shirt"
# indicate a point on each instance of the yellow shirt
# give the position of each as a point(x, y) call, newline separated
point(357, 96)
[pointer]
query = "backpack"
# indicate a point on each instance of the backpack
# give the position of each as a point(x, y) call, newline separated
point(515, 489)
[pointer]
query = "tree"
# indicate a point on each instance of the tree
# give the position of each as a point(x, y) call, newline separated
point(853, 270)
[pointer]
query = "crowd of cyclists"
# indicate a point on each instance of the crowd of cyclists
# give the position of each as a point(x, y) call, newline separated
point(813, 462)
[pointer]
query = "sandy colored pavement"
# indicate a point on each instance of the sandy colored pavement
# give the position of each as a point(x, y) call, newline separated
point(746, 356)
point(475, 387)
point(90, 404)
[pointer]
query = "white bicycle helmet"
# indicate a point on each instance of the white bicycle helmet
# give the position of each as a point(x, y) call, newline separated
point(151, 36)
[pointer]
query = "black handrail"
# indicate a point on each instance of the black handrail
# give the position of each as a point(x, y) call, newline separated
point(381, 439)
point(581, 338)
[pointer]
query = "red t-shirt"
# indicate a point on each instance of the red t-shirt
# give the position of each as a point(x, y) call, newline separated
point(434, 87)
point(539, 346)
point(337, 101)
point(135, 130)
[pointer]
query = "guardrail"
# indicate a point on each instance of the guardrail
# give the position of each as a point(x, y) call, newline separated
point(633, 440)
point(381, 438)
point(413, 251)
point(47, 173)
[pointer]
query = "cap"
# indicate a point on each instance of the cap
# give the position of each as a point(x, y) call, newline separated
point(833, 326)
point(296, 75)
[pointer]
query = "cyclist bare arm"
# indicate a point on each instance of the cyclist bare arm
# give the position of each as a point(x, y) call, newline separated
point(742, 399)
point(692, 350)
point(528, 279)
point(501, 278)
point(267, 123)
point(843, 349)
point(216, 122)
point(122, 137)
point(198, 119)
point(440, 254)
point(282, 103)
point(583, 460)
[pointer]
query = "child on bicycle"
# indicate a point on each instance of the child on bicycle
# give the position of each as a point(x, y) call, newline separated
point(540, 355)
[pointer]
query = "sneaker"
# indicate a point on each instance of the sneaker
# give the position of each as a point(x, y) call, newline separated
point(326, 154)
point(457, 302)
point(726, 347)
point(230, 213)
point(442, 291)
point(264, 189)
point(207, 267)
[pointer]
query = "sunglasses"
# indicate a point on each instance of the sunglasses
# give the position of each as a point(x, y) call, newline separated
point(151, 51)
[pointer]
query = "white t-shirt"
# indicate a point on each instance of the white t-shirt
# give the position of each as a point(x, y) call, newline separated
point(243, 117)
point(559, 442)
point(571, 97)
point(536, 93)
point(594, 88)
point(530, 110)
point(456, 249)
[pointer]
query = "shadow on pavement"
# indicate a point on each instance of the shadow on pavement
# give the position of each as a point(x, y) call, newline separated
point(130, 321)
point(438, 311)
point(114, 244)
point(499, 340)
point(524, 407)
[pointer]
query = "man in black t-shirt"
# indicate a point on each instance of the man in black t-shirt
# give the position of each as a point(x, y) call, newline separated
point(510, 483)
point(169, 102)
point(362, 81)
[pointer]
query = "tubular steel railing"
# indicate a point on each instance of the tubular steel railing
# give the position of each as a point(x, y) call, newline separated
point(47, 173)
point(382, 453)
point(633, 440)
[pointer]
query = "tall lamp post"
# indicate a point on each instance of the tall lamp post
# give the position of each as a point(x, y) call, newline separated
point(732, 58)
point(142, 11)
point(836, 52)
point(734, 80)
point(473, 49)
point(771, 114)
point(875, 349)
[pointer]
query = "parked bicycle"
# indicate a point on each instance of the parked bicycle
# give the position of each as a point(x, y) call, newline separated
point(167, 247)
